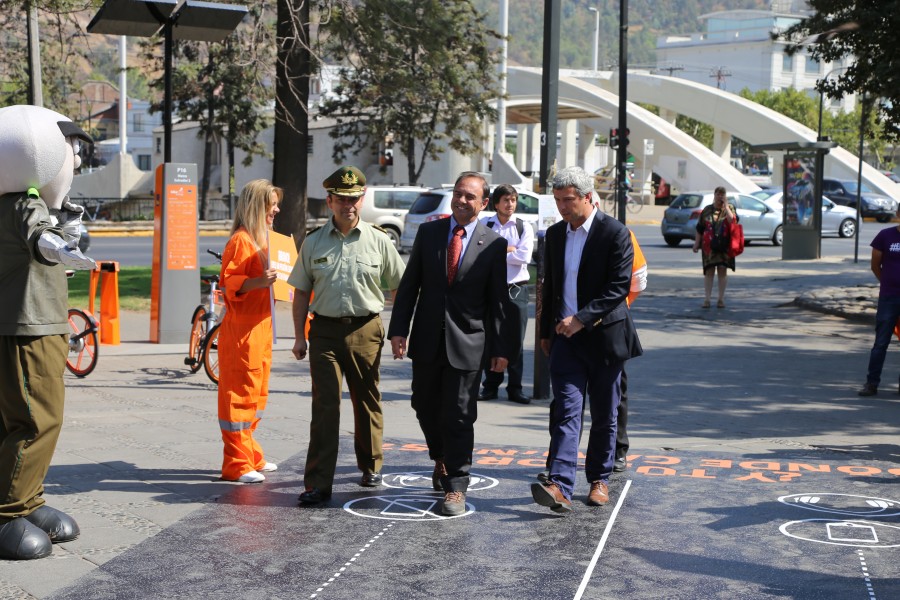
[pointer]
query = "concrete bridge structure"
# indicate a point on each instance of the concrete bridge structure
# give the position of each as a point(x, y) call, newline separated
point(588, 104)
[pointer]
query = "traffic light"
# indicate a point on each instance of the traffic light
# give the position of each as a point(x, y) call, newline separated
point(618, 136)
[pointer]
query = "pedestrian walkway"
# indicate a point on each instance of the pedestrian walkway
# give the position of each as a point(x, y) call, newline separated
point(755, 471)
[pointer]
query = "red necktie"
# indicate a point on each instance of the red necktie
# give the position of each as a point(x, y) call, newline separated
point(453, 252)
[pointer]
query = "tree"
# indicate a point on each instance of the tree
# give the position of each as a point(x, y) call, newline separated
point(293, 69)
point(222, 87)
point(423, 71)
point(862, 34)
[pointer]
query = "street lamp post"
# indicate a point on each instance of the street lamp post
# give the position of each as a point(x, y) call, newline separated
point(596, 35)
point(822, 99)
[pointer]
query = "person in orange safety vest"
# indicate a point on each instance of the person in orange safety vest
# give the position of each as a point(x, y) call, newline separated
point(245, 334)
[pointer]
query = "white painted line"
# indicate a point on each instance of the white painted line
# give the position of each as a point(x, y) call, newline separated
point(341, 571)
point(870, 589)
point(596, 557)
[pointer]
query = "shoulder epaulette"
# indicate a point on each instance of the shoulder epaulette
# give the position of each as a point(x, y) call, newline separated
point(313, 230)
point(381, 229)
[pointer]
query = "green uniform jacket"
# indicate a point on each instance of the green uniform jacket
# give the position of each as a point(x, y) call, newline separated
point(33, 291)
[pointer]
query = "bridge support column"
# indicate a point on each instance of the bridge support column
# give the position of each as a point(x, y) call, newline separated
point(588, 151)
point(568, 156)
point(722, 143)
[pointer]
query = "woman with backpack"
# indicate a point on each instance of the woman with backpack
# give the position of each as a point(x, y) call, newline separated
point(712, 237)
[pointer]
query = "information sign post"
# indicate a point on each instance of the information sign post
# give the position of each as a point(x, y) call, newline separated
point(174, 288)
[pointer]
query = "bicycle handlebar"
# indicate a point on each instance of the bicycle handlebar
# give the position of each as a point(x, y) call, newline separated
point(216, 254)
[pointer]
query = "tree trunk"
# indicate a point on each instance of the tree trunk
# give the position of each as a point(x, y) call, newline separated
point(410, 151)
point(207, 158)
point(291, 118)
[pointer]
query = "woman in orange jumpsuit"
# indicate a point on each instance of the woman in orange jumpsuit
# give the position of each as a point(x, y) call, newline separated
point(245, 335)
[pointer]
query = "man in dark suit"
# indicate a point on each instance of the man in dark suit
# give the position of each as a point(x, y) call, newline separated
point(455, 281)
point(586, 330)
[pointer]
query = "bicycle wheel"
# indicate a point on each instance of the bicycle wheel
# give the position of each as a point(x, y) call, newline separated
point(211, 355)
point(82, 343)
point(195, 346)
point(634, 205)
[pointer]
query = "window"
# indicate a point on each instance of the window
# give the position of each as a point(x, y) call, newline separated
point(787, 63)
point(309, 144)
point(813, 67)
point(143, 162)
point(138, 121)
point(159, 145)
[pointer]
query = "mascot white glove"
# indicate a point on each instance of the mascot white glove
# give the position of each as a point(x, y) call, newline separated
point(54, 249)
point(69, 219)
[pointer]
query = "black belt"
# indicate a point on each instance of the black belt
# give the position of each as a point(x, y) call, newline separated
point(346, 320)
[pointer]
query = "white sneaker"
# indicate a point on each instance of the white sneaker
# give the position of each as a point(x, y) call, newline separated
point(252, 477)
point(269, 467)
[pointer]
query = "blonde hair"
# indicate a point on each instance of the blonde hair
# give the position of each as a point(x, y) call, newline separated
point(251, 209)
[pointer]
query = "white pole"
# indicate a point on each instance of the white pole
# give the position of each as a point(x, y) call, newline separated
point(596, 35)
point(500, 136)
point(123, 99)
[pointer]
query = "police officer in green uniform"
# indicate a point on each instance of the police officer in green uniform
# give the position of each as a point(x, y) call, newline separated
point(344, 266)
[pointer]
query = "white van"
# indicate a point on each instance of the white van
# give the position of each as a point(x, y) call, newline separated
point(386, 206)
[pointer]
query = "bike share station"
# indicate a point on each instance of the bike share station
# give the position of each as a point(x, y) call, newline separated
point(802, 173)
point(175, 283)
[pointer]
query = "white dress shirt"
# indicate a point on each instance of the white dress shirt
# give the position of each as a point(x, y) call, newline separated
point(575, 240)
point(516, 261)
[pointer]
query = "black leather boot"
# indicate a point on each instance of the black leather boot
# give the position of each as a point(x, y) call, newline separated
point(20, 540)
point(56, 524)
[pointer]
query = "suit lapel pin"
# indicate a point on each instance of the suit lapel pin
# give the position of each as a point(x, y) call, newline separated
point(480, 242)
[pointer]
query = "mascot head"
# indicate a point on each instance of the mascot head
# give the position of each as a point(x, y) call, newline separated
point(38, 149)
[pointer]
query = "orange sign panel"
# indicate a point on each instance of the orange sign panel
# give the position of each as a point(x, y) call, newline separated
point(282, 256)
point(181, 227)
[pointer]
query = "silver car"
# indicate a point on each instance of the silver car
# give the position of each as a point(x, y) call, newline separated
point(836, 219)
point(760, 222)
point(435, 204)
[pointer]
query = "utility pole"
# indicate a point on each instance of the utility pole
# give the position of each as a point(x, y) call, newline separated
point(622, 151)
point(720, 73)
point(671, 69)
point(35, 87)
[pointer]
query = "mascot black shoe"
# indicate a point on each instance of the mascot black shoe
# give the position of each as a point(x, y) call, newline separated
point(58, 525)
point(20, 540)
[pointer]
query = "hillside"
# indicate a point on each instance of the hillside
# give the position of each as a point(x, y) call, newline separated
point(647, 19)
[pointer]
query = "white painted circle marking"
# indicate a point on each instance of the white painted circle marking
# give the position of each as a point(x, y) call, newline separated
point(402, 508)
point(421, 480)
point(844, 504)
point(858, 534)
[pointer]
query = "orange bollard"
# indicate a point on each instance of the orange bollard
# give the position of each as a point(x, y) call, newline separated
point(107, 272)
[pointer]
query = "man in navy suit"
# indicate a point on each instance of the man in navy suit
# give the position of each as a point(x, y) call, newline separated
point(586, 330)
point(455, 282)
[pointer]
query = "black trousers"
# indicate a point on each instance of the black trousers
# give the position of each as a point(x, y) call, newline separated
point(446, 403)
point(492, 379)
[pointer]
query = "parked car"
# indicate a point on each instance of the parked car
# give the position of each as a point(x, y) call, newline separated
point(386, 207)
point(760, 222)
point(882, 208)
point(435, 204)
point(836, 219)
point(892, 176)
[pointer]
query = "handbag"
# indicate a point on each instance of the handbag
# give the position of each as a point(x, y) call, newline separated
point(736, 239)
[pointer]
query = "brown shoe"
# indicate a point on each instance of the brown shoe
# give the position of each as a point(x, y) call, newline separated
point(551, 496)
point(454, 504)
point(599, 494)
point(440, 470)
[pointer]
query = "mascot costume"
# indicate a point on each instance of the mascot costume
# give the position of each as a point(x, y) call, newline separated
point(39, 232)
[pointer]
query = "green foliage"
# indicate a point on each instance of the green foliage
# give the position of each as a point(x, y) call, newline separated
point(863, 35)
point(796, 104)
point(647, 19)
point(226, 80)
point(424, 71)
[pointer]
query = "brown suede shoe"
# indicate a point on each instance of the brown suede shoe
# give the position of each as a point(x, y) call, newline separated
point(440, 470)
point(551, 496)
point(599, 494)
point(454, 504)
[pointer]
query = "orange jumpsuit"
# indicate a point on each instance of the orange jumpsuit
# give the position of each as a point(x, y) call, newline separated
point(245, 357)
